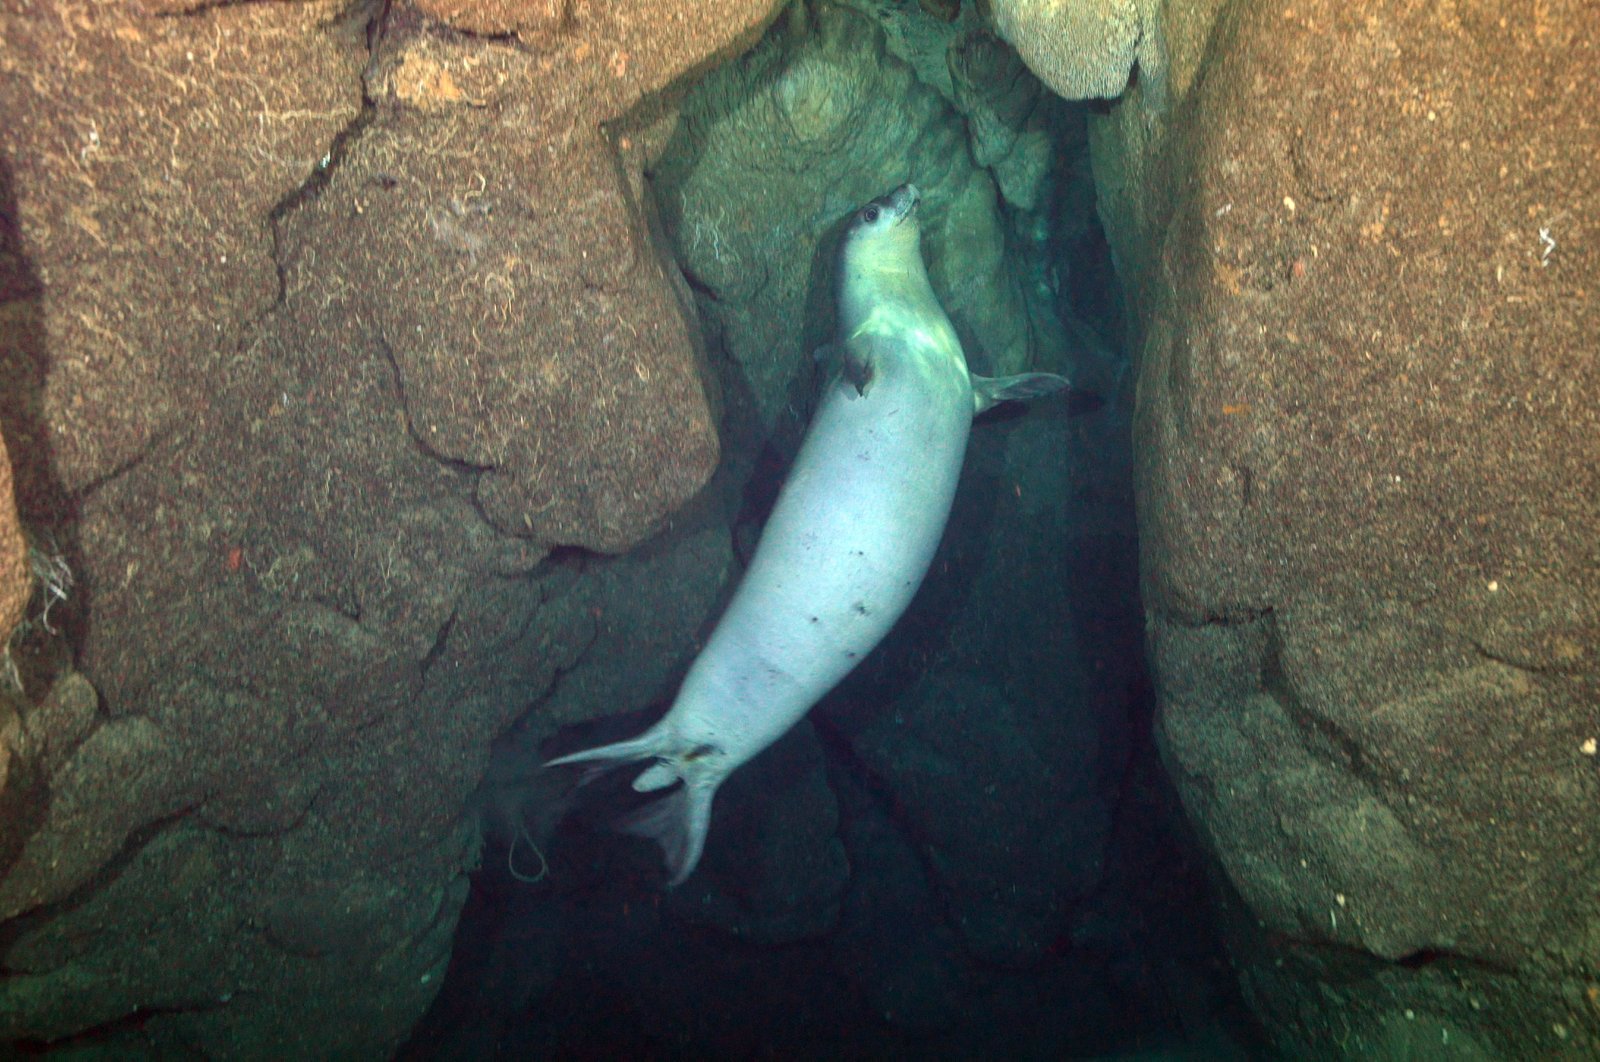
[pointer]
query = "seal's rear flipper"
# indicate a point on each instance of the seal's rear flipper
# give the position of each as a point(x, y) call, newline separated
point(602, 759)
point(991, 391)
point(677, 822)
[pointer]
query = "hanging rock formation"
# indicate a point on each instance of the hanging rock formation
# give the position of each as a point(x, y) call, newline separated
point(1084, 49)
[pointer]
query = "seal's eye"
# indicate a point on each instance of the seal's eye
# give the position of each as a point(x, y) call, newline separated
point(870, 214)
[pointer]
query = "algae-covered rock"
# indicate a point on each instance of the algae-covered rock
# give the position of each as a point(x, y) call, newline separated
point(1012, 121)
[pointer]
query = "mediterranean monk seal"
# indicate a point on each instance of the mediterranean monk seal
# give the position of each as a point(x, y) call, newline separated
point(849, 539)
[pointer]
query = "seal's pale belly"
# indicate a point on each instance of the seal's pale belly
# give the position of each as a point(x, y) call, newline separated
point(848, 542)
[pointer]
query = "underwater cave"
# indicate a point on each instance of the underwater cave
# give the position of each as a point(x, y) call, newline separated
point(412, 410)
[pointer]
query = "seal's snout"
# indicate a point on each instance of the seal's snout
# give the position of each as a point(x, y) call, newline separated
point(884, 215)
point(904, 200)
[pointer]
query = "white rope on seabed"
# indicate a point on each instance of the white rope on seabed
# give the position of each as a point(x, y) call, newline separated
point(511, 852)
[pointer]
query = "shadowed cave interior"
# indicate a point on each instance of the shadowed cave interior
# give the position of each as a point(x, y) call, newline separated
point(968, 849)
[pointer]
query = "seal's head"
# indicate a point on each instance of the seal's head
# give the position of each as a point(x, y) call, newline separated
point(888, 224)
point(881, 256)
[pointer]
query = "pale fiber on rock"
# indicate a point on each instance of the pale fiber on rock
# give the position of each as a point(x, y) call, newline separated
point(14, 580)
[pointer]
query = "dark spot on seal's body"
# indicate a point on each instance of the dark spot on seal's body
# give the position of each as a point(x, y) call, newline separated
point(700, 752)
point(860, 608)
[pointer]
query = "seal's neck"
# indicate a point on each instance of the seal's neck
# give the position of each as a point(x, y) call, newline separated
point(887, 269)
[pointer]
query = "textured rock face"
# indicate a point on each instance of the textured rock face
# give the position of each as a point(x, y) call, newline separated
point(1083, 49)
point(1362, 250)
point(780, 145)
point(316, 333)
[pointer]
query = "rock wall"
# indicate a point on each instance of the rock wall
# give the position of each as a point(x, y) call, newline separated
point(320, 325)
point(1361, 244)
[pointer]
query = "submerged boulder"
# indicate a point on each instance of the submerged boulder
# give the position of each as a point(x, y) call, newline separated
point(322, 326)
point(1369, 482)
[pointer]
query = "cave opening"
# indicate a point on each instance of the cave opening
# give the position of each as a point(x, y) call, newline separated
point(969, 848)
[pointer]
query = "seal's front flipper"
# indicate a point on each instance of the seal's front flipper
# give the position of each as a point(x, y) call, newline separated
point(678, 823)
point(859, 359)
point(988, 392)
point(855, 365)
point(847, 361)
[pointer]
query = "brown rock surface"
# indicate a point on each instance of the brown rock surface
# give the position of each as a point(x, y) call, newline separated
point(1362, 246)
point(319, 334)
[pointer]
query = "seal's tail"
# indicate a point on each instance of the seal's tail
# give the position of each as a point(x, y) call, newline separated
point(678, 821)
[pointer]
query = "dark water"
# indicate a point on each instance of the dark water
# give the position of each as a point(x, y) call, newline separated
point(771, 950)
